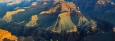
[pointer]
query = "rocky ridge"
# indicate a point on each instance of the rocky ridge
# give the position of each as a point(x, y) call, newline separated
point(65, 21)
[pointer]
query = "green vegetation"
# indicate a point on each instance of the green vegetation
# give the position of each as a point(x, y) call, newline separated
point(51, 39)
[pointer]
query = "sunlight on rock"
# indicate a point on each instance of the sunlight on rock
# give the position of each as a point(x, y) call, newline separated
point(45, 12)
point(64, 14)
point(56, 31)
point(83, 21)
point(19, 22)
point(20, 10)
point(100, 2)
point(34, 4)
point(44, 3)
point(8, 16)
point(94, 25)
point(65, 6)
point(113, 29)
point(33, 21)
point(74, 30)
point(112, 3)
point(3, 1)
point(52, 10)
point(104, 2)
point(64, 23)
point(6, 34)
point(14, 2)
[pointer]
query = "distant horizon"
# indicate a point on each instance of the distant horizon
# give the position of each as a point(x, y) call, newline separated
point(5, 1)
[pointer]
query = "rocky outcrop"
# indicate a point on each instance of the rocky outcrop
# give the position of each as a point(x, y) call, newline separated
point(51, 10)
point(33, 21)
point(63, 24)
point(34, 4)
point(114, 33)
point(64, 6)
point(3, 1)
point(9, 14)
point(104, 2)
point(44, 3)
point(13, 2)
point(7, 35)
point(64, 21)
point(68, 13)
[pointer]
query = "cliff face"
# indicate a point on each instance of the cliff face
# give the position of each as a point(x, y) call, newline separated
point(33, 21)
point(104, 2)
point(34, 4)
point(5, 34)
point(64, 21)
point(59, 20)
point(8, 16)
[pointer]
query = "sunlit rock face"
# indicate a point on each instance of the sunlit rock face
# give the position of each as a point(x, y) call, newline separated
point(44, 3)
point(8, 16)
point(63, 24)
point(104, 2)
point(5, 34)
point(13, 2)
point(34, 4)
point(4, 1)
point(113, 29)
point(65, 6)
point(33, 21)
point(69, 19)
point(60, 20)
point(114, 33)
point(51, 10)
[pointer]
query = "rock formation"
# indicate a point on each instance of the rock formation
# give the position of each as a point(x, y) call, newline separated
point(34, 4)
point(33, 21)
point(68, 12)
point(3, 1)
point(104, 2)
point(5, 34)
point(9, 14)
point(13, 2)
point(61, 20)
point(44, 3)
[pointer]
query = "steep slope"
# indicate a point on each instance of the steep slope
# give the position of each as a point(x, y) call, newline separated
point(8, 16)
point(5, 34)
point(58, 20)
point(100, 36)
point(102, 12)
point(63, 19)
point(34, 4)
point(14, 2)
point(33, 21)
point(104, 2)
point(68, 13)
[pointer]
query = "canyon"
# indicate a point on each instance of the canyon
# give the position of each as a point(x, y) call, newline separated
point(58, 20)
